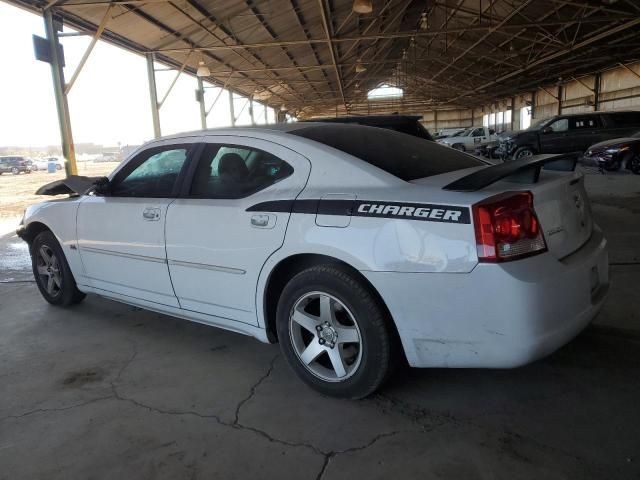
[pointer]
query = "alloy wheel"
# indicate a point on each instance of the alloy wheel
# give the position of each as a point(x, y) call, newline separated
point(325, 336)
point(49, 270)
point(635, 164)
point(525, 154)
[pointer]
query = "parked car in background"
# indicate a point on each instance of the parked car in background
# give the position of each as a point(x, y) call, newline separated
point(409, 124)
point(568, 133)
point(15, 165)
point(43, 163)
point(470, 139)
point(614, 155)
point(447, 132)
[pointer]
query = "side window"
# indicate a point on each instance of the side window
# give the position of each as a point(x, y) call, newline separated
point(580, 123)
point(561, 125)
point(230, 171)
point(152, 174)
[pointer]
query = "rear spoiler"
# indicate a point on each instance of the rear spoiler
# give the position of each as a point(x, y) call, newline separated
point(71, 185)
point(524, 170)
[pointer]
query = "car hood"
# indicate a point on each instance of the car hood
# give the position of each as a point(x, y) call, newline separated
point(72, 185)
point(615, 141)
point(448, 140)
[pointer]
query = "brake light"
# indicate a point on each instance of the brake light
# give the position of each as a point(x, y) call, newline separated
point(507, 227)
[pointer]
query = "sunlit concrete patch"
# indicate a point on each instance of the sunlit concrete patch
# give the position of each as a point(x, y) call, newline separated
point(15, 262)
point(8, 225)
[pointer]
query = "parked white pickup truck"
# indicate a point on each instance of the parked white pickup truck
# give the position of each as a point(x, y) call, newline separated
point(470, 139)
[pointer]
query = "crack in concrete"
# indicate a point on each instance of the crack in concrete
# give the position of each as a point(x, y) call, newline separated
point(328, 456)
point(57, 409)
point(418, 413)
point(252, 392)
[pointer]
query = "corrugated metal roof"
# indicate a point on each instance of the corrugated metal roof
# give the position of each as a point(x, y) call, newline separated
point(471, 53)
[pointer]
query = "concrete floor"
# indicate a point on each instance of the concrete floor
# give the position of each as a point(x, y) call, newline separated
point(105, 390)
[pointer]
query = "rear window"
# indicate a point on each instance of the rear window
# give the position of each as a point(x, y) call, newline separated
point(626, 119)
point(403, 156)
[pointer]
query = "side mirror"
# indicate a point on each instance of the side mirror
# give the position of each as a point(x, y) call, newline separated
point(102, 186)
point(547, 130)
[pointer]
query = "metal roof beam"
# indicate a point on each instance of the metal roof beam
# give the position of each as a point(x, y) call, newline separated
point(87, 53)
point(325, 23)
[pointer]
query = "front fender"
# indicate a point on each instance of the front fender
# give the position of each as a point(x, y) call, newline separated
point(58, 216)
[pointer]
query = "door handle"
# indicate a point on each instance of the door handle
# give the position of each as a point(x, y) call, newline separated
point(151, 214)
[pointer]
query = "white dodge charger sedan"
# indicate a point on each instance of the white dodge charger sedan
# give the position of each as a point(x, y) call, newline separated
point(351, 246)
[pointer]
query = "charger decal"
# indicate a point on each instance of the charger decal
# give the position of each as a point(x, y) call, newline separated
point(369, 208)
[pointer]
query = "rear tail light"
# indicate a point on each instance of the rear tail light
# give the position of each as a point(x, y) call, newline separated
point(507, 227)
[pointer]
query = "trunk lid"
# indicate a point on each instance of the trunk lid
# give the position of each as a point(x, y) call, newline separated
point(559, 199)
point(563, 209)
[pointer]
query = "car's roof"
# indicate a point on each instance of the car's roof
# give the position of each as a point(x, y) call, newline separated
point(267, 129)
point(388, 119)
point(597, 112)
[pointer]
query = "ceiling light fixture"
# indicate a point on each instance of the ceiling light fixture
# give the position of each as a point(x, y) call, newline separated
point(362, 6)
point(203, 70)
point(360, 67)
point(424, 21)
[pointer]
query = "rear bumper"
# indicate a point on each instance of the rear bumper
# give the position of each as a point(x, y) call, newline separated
point(499, 315)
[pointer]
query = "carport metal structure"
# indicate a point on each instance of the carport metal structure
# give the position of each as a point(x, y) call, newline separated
point(318, 57)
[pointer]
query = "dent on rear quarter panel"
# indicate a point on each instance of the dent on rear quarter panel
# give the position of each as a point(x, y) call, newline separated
point(380, 244)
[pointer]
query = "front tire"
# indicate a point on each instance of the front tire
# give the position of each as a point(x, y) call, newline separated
point(459, 146)
point(52, 273)
point(15, 171)
point(58, 166)
point(634, 164)
point(334, 333)
point(523, 152)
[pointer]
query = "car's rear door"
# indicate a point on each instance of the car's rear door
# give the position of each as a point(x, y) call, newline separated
point(219, 234)
point(121, 234)
point(584, 131)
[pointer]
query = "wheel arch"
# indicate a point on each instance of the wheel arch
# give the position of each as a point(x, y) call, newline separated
point(33, 229)
point(290, 266)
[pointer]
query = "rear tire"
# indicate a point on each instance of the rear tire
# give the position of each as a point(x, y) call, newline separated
point(334, 333)
point(52, 273)
point(15, 171)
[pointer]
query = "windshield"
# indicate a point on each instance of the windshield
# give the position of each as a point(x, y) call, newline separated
point(403, 156)
point(463, 133)
point(537, 124)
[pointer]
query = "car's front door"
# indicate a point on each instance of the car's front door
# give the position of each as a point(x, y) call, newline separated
point(219, 235)
point(121, 234)
point(554, 138)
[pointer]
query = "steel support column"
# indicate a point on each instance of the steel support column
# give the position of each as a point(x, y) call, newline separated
point(231, 109)
point(596, 92)
point(153, 95)
point(62, 106)
point(560, 93)
point(253, 120)
point(513, 112)
point(203, 111)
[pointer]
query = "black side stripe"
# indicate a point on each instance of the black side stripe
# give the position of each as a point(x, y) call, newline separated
point(369, 208)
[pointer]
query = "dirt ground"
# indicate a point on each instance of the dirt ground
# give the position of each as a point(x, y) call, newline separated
point(17, 192)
